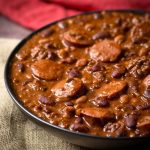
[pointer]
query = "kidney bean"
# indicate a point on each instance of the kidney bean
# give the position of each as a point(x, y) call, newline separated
point(21, 67)
point(79, 127)
point(101, 35)
point(73, 73)
point(147, 93)
point(118, 71)
point(97, 67)
point(131, 121)
point(100, 102)
point(47, 101)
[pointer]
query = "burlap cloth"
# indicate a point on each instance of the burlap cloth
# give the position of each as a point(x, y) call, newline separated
point(17, 132)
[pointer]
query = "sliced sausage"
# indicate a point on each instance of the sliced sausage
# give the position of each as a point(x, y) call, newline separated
point(144, 125)
point(105, 51)
point(73, 38)
point(47, 70)
point(71, 88)
point(100, 113)
point(74, 87)
point(58, 89)
point(112, 89)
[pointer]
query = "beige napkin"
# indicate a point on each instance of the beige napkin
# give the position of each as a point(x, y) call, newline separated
point(16, 131)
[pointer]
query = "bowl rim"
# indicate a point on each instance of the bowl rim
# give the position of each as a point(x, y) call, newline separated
point(19, 103)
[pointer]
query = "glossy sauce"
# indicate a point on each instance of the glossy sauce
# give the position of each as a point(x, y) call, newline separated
point(89, 73)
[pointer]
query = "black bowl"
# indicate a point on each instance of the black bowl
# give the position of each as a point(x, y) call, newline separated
point(81, 139)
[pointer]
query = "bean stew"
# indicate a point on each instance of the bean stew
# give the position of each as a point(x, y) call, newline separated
point(89, 73)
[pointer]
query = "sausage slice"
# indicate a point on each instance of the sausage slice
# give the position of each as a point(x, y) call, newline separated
point(47, 70)
point(112, 89)
point(71, 88)
point(73, 38)
point(103, 114)
point(105, 51)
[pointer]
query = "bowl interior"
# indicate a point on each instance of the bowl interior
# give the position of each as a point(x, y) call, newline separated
point(29, 113)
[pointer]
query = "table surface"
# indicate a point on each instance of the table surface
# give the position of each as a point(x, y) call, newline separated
point(10, 29)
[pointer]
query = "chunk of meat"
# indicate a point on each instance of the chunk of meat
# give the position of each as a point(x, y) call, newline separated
point(144, 125)
point(141, 30)
point(105, 51)
point(73, 38)
point(115, 129)
point(41, 53)
point(35, 85)
point(146, 82)
point(112, 89)
point(72, 88)
point(22, 54)
point(133, 86)
point(68, 111)
point(139, 67)
point(100, 113)
point(47, 70)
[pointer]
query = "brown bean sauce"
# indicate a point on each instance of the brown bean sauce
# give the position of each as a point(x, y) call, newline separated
point(92, 75)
